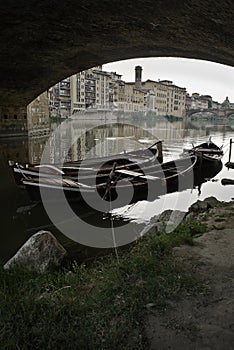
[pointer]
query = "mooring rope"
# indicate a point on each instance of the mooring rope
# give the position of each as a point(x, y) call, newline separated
point(113, 231)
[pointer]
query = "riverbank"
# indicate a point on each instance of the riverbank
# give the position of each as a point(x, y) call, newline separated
point(205, 320)
point(154, 296)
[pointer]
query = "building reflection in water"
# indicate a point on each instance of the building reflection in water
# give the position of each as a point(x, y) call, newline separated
point(84, 139)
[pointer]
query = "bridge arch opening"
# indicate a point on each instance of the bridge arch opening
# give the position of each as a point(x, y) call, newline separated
point(205, 86)
point(43, 43)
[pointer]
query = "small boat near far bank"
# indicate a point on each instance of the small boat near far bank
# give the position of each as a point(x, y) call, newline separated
point(206, 151)
point(230, 165)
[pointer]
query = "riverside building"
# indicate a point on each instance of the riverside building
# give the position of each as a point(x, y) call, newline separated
point(161, 97)
point(92, 89)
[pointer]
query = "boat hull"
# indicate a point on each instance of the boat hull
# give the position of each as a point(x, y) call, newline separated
point(86, 170)
point(127, 185)
point(207, 152)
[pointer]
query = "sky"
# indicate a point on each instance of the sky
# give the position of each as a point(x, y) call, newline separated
point(204, 77)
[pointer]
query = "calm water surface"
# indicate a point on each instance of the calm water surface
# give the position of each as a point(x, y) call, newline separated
point(85, 139)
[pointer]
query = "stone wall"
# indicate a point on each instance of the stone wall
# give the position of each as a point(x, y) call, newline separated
point(13, 121)
point(38, 116)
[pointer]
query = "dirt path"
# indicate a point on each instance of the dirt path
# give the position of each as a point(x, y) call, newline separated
point(206, 321)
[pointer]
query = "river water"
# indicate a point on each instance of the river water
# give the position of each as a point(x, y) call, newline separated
point(80, 139)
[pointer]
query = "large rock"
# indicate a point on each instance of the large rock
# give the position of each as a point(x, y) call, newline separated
point(41, 252)
point(201, 206)
point(167, 220)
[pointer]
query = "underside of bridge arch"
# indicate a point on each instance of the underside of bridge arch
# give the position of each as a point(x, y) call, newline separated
point(210, 114)
point(44, 41)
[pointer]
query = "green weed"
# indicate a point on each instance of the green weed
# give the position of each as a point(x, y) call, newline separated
point(97, 307)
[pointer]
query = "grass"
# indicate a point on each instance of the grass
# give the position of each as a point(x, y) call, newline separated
point(97, 307)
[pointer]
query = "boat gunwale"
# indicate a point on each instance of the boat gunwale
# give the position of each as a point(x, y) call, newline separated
point(38, 182)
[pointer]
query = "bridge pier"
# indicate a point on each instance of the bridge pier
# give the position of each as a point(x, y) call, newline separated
point(13, 121)
point(32, 120)
point(38, 116)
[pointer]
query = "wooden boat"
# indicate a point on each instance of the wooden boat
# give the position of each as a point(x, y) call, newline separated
point(38, 219)
point(229, 165)
point(88, 168)
point(207, 151)
point(155, 181)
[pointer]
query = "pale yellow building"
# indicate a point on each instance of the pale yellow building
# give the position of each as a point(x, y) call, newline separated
point(162, 97)
point(169, 98)
point(128, 98)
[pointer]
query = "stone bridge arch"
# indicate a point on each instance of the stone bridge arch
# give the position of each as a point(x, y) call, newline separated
point(43, 42)
point(192, 112)
point(217, 113)
point(230, 113)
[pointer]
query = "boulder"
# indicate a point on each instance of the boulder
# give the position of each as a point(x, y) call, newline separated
point(168, 218)
point(41, 252)
point(201, 206)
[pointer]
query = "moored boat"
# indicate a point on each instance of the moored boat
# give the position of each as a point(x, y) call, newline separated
point(155, 181)
point(89, 168)
point(207, 151)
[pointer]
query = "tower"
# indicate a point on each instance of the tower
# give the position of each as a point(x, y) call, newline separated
point(138, 71)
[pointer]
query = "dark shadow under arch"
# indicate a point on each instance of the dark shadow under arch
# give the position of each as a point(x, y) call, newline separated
point(43, 42)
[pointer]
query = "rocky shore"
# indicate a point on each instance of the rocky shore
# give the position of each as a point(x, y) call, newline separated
point(169, 290)
point(205, 321)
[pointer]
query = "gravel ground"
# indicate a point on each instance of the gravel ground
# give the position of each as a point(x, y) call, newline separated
point(205, 321)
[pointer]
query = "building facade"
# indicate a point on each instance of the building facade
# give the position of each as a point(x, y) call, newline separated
point(201, 101)
point(128, 98)
point(161, 97)
point(90, 89)
point(169, 98)
point(95, 89)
